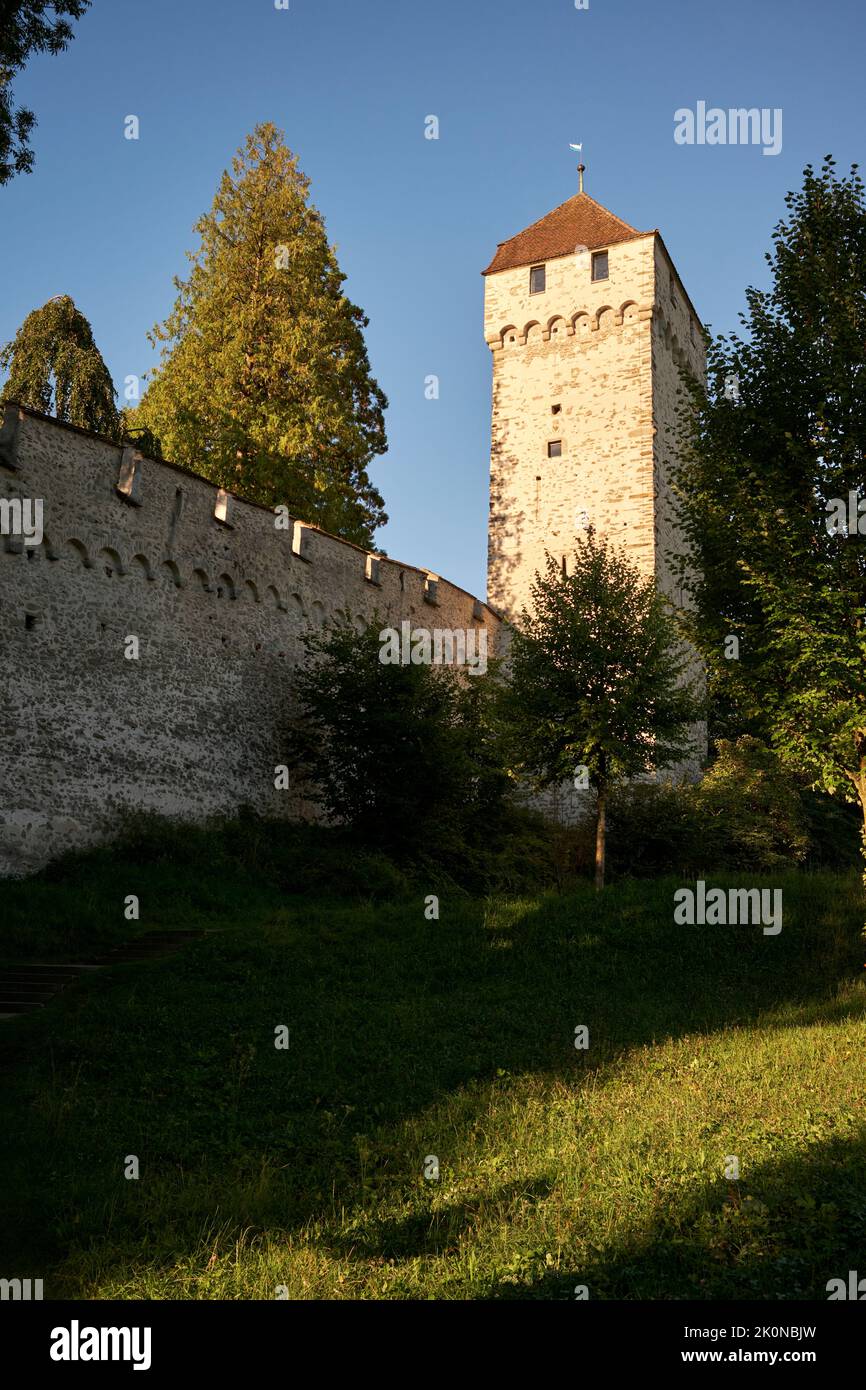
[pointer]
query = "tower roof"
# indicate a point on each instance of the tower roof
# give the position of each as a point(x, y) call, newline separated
point(580, 221)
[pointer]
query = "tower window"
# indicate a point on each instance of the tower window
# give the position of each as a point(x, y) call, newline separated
point(554, 449)
point(599, 265)
point(537, 279)
point(555, 409)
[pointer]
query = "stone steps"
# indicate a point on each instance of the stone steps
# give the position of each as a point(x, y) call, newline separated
point(30, 986)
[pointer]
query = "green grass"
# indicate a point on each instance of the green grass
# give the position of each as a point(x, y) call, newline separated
point(410, 1038)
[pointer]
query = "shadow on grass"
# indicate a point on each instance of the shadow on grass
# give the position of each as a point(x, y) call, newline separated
point(436, 1232)
point(733, 1240)
point(388, 1013)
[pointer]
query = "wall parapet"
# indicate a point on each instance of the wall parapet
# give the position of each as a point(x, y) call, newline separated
point(219, 596)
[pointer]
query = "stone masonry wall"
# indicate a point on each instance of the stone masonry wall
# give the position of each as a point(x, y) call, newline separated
point(195, 726)
point(677, 343)
point(608, 354)
point(586, 347)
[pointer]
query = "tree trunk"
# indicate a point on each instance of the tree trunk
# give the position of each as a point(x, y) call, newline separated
point(600, 833)
point(859, 780)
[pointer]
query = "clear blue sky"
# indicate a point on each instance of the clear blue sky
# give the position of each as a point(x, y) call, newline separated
point(109, 220)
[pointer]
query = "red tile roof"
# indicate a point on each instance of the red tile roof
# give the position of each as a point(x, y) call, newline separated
point(580, 221)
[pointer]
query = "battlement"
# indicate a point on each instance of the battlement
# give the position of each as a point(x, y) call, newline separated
point(216, 590)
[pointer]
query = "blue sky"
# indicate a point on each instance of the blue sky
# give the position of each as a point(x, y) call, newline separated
point(109, 220)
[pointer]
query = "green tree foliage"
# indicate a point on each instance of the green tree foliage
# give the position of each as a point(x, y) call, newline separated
point(407, 755)
point(264, 384)
point(27, 27)
point(751, 800)
point(775, 443)
point(750, 813)
point(140, 434)
point(598, 679)
point(55, 366)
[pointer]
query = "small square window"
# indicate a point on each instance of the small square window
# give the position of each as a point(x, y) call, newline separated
point(599, 265)
point(554, 449)
point(555, 409)
point(537, 279)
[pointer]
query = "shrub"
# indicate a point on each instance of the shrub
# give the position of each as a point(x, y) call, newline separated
point(407, 756)
point(751, 808)
point(748, 813)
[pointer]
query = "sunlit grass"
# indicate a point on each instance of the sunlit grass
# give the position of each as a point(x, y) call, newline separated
point(301, 1173)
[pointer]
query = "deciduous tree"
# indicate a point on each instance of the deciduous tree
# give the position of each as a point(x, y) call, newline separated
point(598, 679)
point(27, 27)
point(55, 366)
point(774, 461)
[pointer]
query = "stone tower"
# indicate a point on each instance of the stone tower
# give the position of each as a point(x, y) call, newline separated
point(588, 321)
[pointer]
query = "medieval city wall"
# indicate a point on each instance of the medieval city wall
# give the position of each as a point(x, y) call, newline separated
point(195, 726)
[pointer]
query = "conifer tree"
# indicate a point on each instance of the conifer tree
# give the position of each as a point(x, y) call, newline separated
point(55, 366)
point(264, 384)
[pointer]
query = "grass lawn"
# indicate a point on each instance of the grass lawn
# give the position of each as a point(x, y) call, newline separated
point(558, 1167)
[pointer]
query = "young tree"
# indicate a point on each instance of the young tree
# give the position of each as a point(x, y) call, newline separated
point(407, 755)
point(264, 384)
point(55, 366)
point(27, 27)
point(598, 679)
point(772, 498)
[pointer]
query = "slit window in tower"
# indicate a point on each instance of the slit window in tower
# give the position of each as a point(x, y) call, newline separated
point(554, 448)
point(599, 265)
point(537, 279)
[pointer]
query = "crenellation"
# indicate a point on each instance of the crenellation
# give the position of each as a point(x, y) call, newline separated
point(149, 638)
point(586, 375)
point(195, 726)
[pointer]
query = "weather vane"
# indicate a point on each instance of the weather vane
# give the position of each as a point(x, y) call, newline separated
point(578, 149)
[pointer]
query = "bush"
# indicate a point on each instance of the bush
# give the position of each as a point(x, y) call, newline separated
point(748, 813)
point(654, 828)
point(834, 829)
point(406, 756)
point(751, 808)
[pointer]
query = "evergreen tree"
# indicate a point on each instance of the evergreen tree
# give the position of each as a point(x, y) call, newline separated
point(597, 679)
point(408, 755)
point(773, 496)
point(27, 27)
point(264, 384)
point(55, 366)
